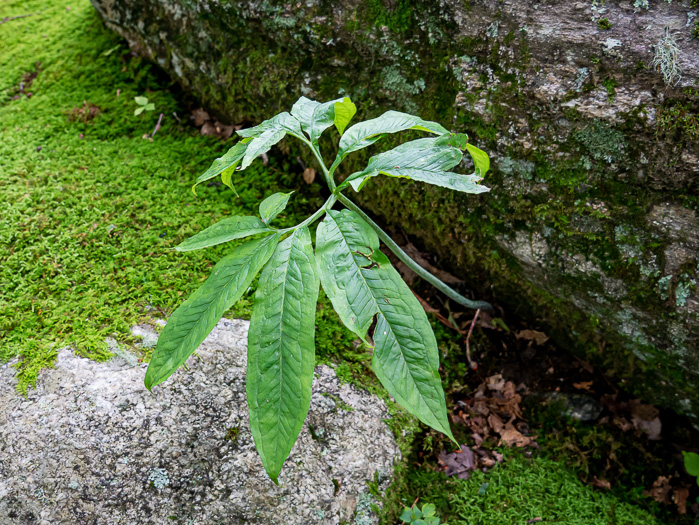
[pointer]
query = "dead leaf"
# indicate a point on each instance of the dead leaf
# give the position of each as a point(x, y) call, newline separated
point(510, 436)
point(601, 483)
point(208, 129)
point(661, 490)
point(583, 385)
point(532, 335)
point(458, 463)
point(495, 382)
point(309, 175)
point(622, 423)
point(200, 117)
point(680, 498)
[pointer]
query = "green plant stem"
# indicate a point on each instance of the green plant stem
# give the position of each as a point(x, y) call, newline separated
point(326, 206)
point(328, 177)
point(427, 276)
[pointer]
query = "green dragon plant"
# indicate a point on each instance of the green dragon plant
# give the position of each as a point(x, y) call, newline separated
point(361, 283)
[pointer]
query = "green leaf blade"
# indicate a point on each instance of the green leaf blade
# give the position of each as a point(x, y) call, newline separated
point(340, 274)
point(344, 112)
point(366, 133)
point(196, 317)
point(361, 283)
point(315, 117)
point(226, 163)
point(424, 160)
point(273, 206)
point(261, 144)
point(481, 161)
point(223, 231)
point(281, 349)
point(283, 121)
point(691, 463)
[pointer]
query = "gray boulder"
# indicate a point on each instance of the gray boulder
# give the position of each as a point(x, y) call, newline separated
point(91, 445)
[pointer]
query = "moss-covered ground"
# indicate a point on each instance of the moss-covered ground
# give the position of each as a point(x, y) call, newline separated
point(93, 206)
point(521, 490)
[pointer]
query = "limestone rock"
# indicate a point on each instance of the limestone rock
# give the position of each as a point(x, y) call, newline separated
point(91, 445)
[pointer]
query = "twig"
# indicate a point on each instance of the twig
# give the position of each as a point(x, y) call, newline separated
point(472, 364)
point(157, 126)
point(11, 18)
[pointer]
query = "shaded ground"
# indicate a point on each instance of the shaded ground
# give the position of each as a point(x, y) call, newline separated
point(96, 201)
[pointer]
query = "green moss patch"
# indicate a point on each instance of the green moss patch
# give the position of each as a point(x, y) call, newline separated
point(93, 209)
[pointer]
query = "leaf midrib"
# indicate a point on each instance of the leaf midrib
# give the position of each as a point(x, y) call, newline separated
point(378, 307)
point(225, 285)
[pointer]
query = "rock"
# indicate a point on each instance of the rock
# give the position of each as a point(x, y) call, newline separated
point(577, 406)
point(91, 445)
point(591, 220)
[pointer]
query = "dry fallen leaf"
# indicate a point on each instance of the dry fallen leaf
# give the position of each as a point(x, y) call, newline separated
point(661, 490)
point(510, 436)
point(532, 335)
point(601, 483)
point(583, 385)
point(680, 498)
point(200, 116)
point(309, 175)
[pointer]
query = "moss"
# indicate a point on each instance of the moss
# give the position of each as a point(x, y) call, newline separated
point(604, 24)
point(94, 208)
point(518, 490)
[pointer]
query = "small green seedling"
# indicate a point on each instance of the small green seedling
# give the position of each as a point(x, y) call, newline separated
point(144, 105)
point(691, 464)
point(365, 289)
point(417, 516)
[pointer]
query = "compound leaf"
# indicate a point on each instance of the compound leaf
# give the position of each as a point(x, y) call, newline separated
point(425, 160)
point(224, 231)
point(361, 283)
point(281, 350)
point(344, 111)
point(196, 317)
point(229, 161)
point(366, 133)
point(273, 206)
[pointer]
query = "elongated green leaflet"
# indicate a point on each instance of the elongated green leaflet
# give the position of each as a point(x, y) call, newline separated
point(281, 350)
point(366, 133)
point(197, 316)
point(228, 162)
point(344, 111)
point(273, 206)
point(224, 231)
point(425, 160)
point(361, 283)
point(267, 134)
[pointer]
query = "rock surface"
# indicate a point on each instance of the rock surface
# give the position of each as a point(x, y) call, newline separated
point(91, 445)
point(590, 111)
